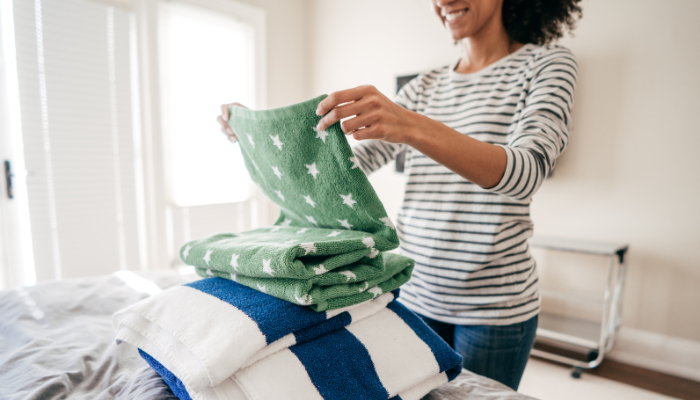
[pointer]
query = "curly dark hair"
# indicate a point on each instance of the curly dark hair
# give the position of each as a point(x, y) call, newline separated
point(539, 21)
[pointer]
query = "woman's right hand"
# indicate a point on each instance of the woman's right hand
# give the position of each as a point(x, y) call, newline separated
point(223, 118)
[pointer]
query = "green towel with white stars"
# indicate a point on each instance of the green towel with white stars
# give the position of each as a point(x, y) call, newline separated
point(327, 248)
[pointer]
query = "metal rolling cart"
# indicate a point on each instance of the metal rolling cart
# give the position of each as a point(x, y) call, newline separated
point(593, 339)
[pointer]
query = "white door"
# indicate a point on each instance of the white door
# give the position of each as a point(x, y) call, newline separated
point(16, 259)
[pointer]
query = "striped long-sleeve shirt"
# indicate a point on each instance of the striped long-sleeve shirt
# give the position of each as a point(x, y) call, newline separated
point(473, 265)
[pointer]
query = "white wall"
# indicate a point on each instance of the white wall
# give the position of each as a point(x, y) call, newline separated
point(287, 50)
point(631, 173)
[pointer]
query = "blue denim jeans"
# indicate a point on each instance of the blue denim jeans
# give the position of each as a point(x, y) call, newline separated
point(497, 352)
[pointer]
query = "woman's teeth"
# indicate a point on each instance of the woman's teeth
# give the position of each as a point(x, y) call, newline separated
point(453, 15)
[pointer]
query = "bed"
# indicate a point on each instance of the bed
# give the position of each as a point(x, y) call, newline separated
point(56, 342)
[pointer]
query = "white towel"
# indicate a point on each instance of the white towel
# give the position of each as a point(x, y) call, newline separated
point(205, 331)
point(391, 354)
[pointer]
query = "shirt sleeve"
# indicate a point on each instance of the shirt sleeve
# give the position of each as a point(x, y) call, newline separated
point(374, 154)
point(543, 131)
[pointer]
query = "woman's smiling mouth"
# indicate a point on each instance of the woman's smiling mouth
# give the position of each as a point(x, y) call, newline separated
point(452, 17)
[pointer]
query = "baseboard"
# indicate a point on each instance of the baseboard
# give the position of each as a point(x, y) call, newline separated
point(657, 352)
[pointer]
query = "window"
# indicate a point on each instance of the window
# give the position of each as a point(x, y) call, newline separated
point(207, 59)
point(87, 115)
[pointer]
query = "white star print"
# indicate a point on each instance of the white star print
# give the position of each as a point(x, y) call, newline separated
point(304, 300)
point(376, 291)
point(207, 256)
point(250, 139)
point(290, 241)
point(186, 253)
point(387, 222)
point(302, 230)
point(365, 288)
point(334, 233)
point(276, 141)
point(279, 194)
point(347, 199)
point(321, 134)
point(234, 261)
point(284, 223)
point(277, 172)
point(308, 200)
point(368, 241)
point(311, 219)
point(345, 223)
point(349, 275)
point(355, 162)
point(261, 288)
point(266, 267)
point(233, 277)
point(309, 247)
point(312, 169)
point(373, 253)
point(255, 165)
point(320, 269)
point(209, 272)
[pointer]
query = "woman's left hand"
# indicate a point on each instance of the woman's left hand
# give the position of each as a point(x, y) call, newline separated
point(375, 116)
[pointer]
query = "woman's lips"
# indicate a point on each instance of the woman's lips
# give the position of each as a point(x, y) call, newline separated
point(454, 17)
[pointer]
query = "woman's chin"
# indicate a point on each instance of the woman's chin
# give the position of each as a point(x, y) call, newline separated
point(457, 36)
point(460, 33)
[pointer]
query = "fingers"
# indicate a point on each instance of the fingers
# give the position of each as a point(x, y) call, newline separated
point(223, 121)
point(344, 96)
point(224, 111)
point(226, 129)
point(364, 133)
point(338, 113)
point(361, 121)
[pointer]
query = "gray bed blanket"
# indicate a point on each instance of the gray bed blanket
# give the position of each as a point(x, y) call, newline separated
point(57, 342)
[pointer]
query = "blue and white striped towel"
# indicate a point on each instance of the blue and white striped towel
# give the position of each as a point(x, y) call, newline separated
point(389, 355)
point(207, 330)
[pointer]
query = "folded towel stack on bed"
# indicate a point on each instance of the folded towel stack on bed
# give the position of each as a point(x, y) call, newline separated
point(304, 309)
point(217, 339)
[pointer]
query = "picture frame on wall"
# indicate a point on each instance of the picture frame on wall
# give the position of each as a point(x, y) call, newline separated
point(401, 157)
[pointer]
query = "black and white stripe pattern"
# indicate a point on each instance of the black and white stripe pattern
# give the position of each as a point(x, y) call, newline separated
point(473, 265)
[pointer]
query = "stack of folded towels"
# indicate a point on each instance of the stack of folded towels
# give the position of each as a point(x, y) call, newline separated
point(305, 309)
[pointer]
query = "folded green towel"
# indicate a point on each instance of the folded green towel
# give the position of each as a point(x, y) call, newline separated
point(326, 248)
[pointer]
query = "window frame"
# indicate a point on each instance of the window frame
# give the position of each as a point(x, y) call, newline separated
point(159, 210)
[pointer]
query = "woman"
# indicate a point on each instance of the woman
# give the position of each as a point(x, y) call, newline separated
point(482, 134)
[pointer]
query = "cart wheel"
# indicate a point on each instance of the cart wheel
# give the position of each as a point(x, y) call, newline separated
point(576, 373)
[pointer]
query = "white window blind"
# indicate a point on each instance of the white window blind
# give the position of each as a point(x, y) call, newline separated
point(75, 89)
